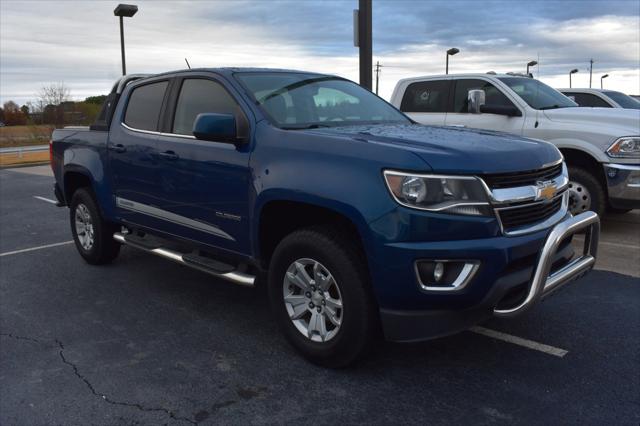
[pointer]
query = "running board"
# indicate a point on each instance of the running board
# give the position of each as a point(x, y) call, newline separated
point(209, 266)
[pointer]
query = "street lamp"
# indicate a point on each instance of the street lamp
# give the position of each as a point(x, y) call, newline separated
point(123, 10)
point(573, 71)
point(601, 78)
point(531, 64)
point(450, 52)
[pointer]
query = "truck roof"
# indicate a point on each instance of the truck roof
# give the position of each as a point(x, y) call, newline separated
point(231, 70)
point(466, 75)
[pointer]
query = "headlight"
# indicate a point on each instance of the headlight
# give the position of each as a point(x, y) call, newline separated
point(627, 147)
point(450, 194)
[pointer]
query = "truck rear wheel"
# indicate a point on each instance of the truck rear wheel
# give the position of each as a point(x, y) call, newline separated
point(91, 233)
point(585, 192)
point(320, 296)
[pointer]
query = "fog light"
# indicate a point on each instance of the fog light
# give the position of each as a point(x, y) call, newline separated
point(438, 272)
point(445, 275)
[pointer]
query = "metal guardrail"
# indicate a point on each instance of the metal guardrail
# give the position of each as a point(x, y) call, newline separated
point(20, 149)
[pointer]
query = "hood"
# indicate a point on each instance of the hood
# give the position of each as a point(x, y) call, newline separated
point(623, 120)
point(456, 150)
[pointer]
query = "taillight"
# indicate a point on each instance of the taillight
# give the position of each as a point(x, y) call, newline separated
point(51, 153)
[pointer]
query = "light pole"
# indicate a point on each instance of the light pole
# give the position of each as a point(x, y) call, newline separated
point(590, 71)
point(450, 52)
point(531, 64)
point(121, 11)
point(602, 78)
point(573, 71)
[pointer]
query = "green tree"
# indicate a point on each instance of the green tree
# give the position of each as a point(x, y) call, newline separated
point(98, 100)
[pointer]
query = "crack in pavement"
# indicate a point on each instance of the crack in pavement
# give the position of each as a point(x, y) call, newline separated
point(105, 398)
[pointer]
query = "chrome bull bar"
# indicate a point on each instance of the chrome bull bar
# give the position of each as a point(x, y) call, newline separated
point(544, 284)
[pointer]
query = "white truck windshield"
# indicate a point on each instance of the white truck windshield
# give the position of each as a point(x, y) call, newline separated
point(537, 94)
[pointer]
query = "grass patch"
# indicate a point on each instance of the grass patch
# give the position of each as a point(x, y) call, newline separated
point(14, 159)
point(12, 136)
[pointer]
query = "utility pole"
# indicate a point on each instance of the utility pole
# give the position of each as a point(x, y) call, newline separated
point(590, 71)
point(365, 43)
point(378, 66)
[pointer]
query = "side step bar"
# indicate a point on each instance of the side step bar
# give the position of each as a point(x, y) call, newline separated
point(187, 259)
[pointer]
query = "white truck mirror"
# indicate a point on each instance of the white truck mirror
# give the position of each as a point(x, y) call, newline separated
point(476, 100)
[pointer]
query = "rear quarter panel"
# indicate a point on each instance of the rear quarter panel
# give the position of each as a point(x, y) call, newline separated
point(84, 151)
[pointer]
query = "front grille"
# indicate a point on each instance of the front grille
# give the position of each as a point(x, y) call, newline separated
point(528, 214)
point(530, 177)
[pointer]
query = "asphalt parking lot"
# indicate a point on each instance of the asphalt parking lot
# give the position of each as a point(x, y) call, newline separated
point(144, 341)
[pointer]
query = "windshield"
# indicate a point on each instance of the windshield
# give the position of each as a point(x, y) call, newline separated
point(302, 101)
point(625, 101)
point(537, 94)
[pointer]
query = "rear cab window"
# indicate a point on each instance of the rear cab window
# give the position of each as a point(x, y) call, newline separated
point(426, 96)
point(588, 100)
point(144, 106)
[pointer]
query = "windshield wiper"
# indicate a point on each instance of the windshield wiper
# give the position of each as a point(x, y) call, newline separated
point(309, 126)
point(554, 107)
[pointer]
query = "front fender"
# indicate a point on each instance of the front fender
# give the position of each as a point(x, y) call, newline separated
point(586, 147)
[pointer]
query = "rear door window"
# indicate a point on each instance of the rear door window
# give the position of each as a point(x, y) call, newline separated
point(145, 104)
point(493, 96)
point(200, 96)
point(426, 96)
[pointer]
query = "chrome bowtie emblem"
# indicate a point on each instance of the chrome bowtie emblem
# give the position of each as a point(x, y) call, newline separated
point(545, 190)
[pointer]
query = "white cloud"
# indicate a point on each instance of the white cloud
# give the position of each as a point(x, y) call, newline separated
point(78, 43)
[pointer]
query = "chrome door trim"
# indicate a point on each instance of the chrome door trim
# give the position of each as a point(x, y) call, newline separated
point(152, 132)
point(171, 217)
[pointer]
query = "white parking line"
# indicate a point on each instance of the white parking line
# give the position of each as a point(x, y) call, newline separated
point(45, 199)
point(35, 248)
point(530, 344)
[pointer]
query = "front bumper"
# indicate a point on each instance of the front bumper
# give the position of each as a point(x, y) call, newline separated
point(511, 293)
point(623, 185)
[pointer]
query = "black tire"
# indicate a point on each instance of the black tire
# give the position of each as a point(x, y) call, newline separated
point(104, 248)
point(579, 180)
point(359, 319)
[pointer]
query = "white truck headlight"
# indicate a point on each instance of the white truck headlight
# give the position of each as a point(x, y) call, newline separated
point(626, 147)
point(439, 193)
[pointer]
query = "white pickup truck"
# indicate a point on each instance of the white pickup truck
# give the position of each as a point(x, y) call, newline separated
point(600, 145)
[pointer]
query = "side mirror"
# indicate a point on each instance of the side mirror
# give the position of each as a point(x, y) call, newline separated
point(216, 128)
point(476, 99)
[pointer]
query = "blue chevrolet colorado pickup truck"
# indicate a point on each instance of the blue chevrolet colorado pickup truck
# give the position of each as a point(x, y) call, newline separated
point(359, 221)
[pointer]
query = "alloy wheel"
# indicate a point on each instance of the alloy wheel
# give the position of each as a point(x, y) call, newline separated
point(312, 299)
point(84, 226)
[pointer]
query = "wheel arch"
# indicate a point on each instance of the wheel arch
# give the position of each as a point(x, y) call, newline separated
point(278, 217)
point(579, 158)
point(76, 177)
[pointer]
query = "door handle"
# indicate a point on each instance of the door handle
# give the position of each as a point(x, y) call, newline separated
point(169, 155)
point(118, 148)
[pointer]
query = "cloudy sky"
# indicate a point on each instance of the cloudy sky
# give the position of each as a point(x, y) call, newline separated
point(77, 42)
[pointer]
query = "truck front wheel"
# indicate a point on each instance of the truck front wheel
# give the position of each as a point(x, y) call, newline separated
point(320, 296)
point(91, 233)
point(585, 192)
